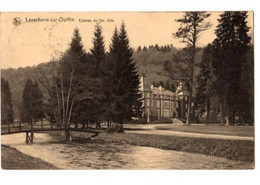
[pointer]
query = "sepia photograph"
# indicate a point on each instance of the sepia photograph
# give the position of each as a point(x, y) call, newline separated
point(127, 90)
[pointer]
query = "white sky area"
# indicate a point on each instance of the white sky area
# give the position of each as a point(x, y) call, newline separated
point(32, 43)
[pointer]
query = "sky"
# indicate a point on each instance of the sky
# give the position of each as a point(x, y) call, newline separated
point(37, 39)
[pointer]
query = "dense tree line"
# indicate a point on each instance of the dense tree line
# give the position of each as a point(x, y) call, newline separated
point(156, 47)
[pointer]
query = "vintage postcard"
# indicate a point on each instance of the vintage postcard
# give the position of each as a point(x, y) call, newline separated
point(127, 90)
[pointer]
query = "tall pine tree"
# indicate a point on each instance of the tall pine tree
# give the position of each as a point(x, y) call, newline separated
point(98, 50)
point(98, 57)
point(231, 46)
point(109, 78)
point(122, 92)
point(7, 114)
point(130, 78)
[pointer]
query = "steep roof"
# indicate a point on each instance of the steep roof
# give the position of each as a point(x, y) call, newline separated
point(160, 91)
point(156, 90)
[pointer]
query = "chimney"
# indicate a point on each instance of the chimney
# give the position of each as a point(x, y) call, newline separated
point(141, 86)
point(152, 87)
point(160, 88)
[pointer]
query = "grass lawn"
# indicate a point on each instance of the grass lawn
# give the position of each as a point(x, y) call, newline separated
point(212, 129)
point(231, 149)
point(13, 159)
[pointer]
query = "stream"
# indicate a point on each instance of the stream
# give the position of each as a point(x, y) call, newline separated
point(94, 154)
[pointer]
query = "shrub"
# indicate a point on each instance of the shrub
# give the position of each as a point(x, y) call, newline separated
point(115, 127)
point(165, 120)
point(138, 121)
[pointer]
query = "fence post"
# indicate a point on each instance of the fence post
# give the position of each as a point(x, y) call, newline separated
point(9, 128)
point(32, 135)
point(27, 138)
point(20, 126)
point(32, 132)
point(41, 124)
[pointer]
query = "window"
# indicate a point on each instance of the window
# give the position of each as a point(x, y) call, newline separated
point(158, 114)
point(147, 112)
point(166, 104)
point(158, 103)
point(171, 104)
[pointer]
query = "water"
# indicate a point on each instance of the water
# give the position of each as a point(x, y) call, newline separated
point(99, 155)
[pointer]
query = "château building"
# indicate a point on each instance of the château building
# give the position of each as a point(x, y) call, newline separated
point(158, 103)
